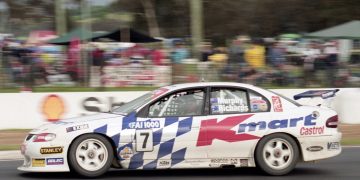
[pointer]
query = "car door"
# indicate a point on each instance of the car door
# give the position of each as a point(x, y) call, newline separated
point(233, 126)
point(178, 115)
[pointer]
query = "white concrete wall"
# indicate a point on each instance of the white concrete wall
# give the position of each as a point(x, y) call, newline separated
point(26, 110)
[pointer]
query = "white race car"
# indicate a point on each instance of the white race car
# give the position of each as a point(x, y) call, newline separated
point(195, 125)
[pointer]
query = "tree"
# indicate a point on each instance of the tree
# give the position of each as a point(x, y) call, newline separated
point(151, 17)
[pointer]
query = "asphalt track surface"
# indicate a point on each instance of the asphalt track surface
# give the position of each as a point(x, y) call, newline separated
point(344, 166)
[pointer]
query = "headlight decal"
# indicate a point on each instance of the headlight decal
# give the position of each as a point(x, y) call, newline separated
point(44, 137)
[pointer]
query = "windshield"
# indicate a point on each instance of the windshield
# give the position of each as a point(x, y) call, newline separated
point(138, 102)
point(133, 105)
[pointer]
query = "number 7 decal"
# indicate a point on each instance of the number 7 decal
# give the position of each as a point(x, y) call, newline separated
point(144, 140)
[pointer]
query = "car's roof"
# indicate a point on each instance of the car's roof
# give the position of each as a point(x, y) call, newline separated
point(199, 84)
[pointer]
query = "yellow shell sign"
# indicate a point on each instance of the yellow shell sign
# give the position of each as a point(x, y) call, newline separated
point(53, 107)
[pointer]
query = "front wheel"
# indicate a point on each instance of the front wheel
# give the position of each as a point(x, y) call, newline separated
point(90, 155)
point(277, 154)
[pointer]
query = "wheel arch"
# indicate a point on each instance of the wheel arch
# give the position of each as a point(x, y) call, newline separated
point(114, 147)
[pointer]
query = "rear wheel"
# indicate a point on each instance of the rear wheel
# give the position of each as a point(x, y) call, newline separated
point(90, 155)
point(277, 154)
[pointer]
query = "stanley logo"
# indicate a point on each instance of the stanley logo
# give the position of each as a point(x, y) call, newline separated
point(53, 107)
point(51, 150)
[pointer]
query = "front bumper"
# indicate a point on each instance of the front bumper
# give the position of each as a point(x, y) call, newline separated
point(35, 161)
point(320, 147)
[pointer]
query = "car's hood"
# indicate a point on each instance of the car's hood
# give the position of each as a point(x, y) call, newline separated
point(88, 118)
point(75, 120)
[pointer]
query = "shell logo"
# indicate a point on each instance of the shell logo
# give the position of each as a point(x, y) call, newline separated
point(53, 108)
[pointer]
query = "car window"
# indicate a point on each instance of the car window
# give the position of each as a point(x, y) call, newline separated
point(133, 105)
point(138, 102)
point(227, 101)
point(184, 103)
point(258, 103)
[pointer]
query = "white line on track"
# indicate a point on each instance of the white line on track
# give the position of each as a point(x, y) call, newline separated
point(351, 146)
point(4, 160)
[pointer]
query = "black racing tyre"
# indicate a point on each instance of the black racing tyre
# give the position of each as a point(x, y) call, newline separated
point(115, 164)
point(90, 155)
point(277, 154)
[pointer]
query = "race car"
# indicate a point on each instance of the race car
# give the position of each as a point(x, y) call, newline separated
point(193, 125)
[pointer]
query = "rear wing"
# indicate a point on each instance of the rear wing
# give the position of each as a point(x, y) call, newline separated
point(324, 94)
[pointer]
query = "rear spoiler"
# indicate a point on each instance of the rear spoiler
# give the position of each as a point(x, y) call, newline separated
point(317, 93)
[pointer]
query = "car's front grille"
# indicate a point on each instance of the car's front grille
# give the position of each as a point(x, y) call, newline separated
point(28, 137)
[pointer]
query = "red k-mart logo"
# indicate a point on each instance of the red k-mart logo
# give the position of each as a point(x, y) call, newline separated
point(212, 129)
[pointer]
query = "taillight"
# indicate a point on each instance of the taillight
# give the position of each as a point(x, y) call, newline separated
point(332, 122)
point(44, 137)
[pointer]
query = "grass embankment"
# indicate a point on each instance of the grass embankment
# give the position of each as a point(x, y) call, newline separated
point(11, 139)
point(350, 141)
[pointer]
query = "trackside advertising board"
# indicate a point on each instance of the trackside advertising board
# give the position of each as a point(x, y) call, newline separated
point(30, 110)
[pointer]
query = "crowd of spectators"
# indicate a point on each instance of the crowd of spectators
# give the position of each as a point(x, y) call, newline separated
point(246, 60)
point(280, 63)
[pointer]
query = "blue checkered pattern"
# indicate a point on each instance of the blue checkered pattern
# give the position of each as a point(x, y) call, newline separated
point(163, 146)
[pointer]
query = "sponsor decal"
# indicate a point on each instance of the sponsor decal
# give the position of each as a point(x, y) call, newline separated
point(229, 108)
point(53, 108)
point(164, 163)
point(54, 161)
point(333, 146)
point(211, 129)
point(38, 162)
point(148, 124)
point(308, 120)
point(255, 107)
point(314, 148)
point(258, 105)
point(311, 131)
point(328, 94)
point(76, 128)
point(221, 105)
point(220, 161)
point(126, 153)
point(51, 150)
point(226, 161)
point(277, 103)
point(244, 163)
point(226, 101)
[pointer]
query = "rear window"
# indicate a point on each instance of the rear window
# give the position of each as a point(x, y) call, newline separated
point(228, 101)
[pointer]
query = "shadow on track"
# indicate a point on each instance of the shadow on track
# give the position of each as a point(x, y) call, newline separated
point(183, 173)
